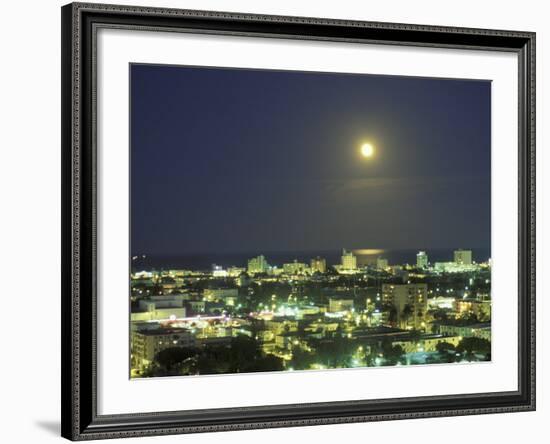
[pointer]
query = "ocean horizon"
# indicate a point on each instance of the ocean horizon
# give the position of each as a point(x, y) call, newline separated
point(205, 261)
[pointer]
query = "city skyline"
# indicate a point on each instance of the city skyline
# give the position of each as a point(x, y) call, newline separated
point(310, 315)
point(368, 257)
point(205, 261)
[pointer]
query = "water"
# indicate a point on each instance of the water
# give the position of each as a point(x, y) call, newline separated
point(278, 258)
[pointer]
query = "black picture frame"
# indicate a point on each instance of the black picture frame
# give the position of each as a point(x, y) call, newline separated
point(80, 420)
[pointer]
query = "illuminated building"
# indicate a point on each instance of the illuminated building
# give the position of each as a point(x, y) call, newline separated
point(160, 307)
point(217, 294)
point(462, 307)
point(180, 273)
point(308, 310)
point(480, 309)
point(337, 305)
point(275, 271)
point(167, 283)
point(142, 275)
point(349, 261)
point(257, 265)
point(213, 340)
point(427, 343)
point(367, 256)
point(197, 306)
point(381, 263)
point(480, 330)
point(218, 271)
point(165, 300)
point(480, 296)
point(422, 259)
point(318, 264)
point(286, 340)
point(294, 267)
point(453, 267)
point(442, 302)
point(377, 318)
point(410, 302)
point(281, 324)
point(235, 271)
point(147, 343)
point(463, 257)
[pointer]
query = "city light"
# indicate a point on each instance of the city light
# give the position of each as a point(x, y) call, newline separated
point(295, 317)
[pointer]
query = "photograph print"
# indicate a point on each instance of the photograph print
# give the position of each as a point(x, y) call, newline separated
point(307, 221)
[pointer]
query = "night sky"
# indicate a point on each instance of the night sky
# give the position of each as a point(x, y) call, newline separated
point(234, 160)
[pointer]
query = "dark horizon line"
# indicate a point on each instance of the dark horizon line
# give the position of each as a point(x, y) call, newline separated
point(265, 252)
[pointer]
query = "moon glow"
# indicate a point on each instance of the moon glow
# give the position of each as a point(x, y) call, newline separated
point(367, 150)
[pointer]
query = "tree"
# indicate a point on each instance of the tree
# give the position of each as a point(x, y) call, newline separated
point(152, 370)
point(302, 359)
point(256, 325)
point(392, 315)
point(445, 347)
point(242, 356)
point(447, 351)
point(407, 313)
point(171, 359)
point(213, 360)
point(392, 354)
point(469, 347)
point(267, 363)
point(415, 336)
point(336, 352)
point(243, 351)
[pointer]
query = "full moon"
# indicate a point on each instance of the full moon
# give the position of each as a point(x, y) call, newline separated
point(367, 150)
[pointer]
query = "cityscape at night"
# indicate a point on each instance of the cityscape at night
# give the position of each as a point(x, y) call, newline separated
point(291, 221)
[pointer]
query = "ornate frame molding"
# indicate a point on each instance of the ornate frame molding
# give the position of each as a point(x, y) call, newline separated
point(80, 22)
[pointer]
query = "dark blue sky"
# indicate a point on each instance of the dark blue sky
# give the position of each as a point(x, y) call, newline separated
point(233, 160)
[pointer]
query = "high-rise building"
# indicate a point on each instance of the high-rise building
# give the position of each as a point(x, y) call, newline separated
point(410, 302)
point(422, 259)
point(349, 261)
point(147, 344)
point(257, 265)
point(382, 263)
point(294, 267)
point(218, 271)
point(463, 257)
point(318, 264)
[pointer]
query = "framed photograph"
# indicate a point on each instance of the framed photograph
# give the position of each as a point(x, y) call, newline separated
point(281, 221)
